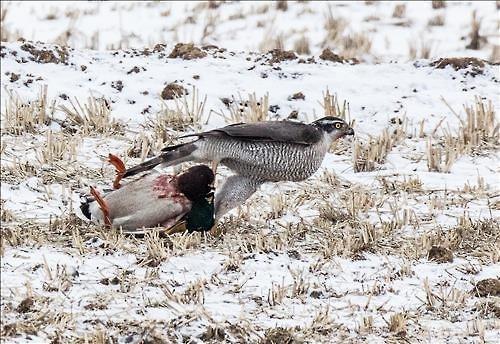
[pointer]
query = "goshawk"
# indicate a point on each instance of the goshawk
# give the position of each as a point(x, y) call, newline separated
point(259, 152)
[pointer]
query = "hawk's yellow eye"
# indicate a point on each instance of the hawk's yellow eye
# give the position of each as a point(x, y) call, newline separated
point(338, 125)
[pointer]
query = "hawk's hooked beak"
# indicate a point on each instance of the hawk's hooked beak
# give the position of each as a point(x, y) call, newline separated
point(350, 131)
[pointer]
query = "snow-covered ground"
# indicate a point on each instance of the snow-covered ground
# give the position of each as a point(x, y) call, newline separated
point(345, 256)
point(387, 29)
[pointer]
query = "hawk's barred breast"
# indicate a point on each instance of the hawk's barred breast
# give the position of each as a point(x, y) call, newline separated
point(265, 161)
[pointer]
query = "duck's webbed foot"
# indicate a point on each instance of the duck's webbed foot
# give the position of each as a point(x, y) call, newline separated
point(120, 169)
point(179, 227)
point(102, 205)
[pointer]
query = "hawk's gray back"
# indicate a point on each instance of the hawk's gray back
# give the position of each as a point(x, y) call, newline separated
point(270, 131)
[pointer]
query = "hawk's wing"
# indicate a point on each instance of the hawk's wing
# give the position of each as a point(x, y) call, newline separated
point(277, 131)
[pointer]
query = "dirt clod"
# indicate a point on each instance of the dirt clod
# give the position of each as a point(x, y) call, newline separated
point(279, 55)
point(293, 115)
point(316, 294)
point(117, 85)
point(135, 69)
point(187, 51)
point(440, 254)
point(329, 55)
point(159, 47)
point(172, 91)
point(475, 65)
point(297, 96)
point(9, 330)
point(487, 287)
point(282, 5)
point(14, 77)
point(46, 56)
point(226, 101)
point(274, 108)
point(25, 305)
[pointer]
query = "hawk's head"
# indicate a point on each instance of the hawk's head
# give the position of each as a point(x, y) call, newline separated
point(333, 127)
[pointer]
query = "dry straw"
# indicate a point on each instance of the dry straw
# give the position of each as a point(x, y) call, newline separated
point(90, 118)
point(21, 116)
point(248, 110)
point(368, 156)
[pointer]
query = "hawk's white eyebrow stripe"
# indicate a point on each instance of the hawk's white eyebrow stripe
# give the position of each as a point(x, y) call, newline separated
point(331, 122)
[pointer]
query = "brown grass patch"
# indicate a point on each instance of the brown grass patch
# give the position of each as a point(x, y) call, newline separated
point(397, 324)
point(437, 20)
point(368, 156)
point(301, 46)
point(399, 11)
point(355, 44)
point(248, 110)
point(495, 55)
point(332, 106)
point(477, 133)
point(439, 158)
point(90, 118)
point(479, 130)
point(58, 147)
point(21, 117)
point(437, 4)
point(279, 335)
point(469, 238)
point(476, 40)
point(342, 233)
point(421, 48)
point(334, 27)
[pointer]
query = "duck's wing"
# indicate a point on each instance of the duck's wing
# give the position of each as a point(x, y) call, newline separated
point(135, 224)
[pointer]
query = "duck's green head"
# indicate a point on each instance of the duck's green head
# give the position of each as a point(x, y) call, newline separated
point(201, 218)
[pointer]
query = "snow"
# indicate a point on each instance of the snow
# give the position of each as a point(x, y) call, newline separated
point(138, 24)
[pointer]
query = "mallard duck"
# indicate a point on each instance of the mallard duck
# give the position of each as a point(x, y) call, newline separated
point(174, 202)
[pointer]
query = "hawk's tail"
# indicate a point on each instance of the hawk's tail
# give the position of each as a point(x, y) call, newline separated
point(171, 156)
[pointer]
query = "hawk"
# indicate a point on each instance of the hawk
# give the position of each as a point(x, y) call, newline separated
point(269, 151)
